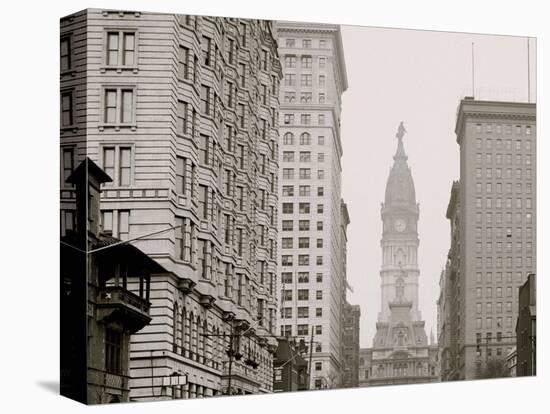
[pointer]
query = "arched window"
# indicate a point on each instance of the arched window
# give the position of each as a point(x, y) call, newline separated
point(205, 341)
point(288, 139)
point(183, 330)
point(305, 139)
point(175, 328)
point(199, 337)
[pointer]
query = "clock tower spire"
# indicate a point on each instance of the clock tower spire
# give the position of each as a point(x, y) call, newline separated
point(400, 241)
point(400, 352)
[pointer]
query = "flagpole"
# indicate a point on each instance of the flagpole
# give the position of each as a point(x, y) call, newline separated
point(528, 73)
point(473, 76)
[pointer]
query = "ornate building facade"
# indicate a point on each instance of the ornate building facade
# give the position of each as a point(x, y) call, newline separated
point(182, 113)
point(400, 353)
point(311, 220)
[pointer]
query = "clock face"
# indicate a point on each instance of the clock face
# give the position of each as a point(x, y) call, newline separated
point(400, 225)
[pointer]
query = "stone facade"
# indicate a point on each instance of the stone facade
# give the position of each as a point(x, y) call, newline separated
point(352, 315)
point(182, 112)
point(311, 279)
point(493, 227)
point(400, 353)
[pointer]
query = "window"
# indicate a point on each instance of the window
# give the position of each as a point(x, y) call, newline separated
point(205, 100)
point(290, 43)
point(305, 139)
point(286, 277)
point(305, 173)
point(303, 225)
point(320, 260)
point(319, 294)
point(68, 165)
point(303, 312)
point(181, 175)
point(305, 156)
point(304, 208)
point(117, 164)
point(65, 52)
point(290, 79)
point(306, 62)
point(121, 48)
point(290, 61)
point(321, 119)
point(321, 174)
point(287, 242)
point(321, 81)
point(288, 190)
point(67, 119)
point(183, 63)
point(304, 190)
point(320, 191)
point(319, 277)
point(288, 173)
point(322, 62)
point(303, 260)
point(288, 139)
point(305, 119)
point(302, 330)
point(303, 294)
point(287, 225)
point(318, 330)
point(289, 120)
point(306, 43)
point(319, 367)
point(206, 50)
point(319, 243)
point(318, 312)
point(118, 107)
point(319, 208)
point(288, 208)
point(286, 260)
point(319, 225)
point(303, 277)
point(113, 351)
point(203, 202)
point(321, 140)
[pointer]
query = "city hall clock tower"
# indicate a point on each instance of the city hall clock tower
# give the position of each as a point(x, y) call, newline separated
point(400, 352)
point(399, 273)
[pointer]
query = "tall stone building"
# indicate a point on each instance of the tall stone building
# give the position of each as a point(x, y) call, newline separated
point(526, 329)
point(182, 113)
point(311, 280)
point(400, 353)
point(350, 340)
point(493, 222)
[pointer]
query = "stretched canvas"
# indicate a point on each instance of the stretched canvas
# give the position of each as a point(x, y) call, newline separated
point(253, 206)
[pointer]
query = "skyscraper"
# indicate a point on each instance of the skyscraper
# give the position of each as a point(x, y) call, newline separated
point(400, 352)
point(312, 282)
point(493, 222)
point(182, 113)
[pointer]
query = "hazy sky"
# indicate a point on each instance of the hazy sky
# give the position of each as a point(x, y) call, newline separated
point(417, 77)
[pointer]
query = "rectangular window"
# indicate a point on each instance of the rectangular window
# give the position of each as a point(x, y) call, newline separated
point(205, 100)
point(118, 106)
point(67, 109)
point(65, 52)
point(121, 48)
point(206, 50)
point(113, 351)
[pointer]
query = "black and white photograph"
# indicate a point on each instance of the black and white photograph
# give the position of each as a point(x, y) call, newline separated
point(274, 207)
point(257, 208)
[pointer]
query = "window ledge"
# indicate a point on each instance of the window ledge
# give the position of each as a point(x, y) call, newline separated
point(71, 72)
point(67, 128)
point(117, 127)
point(118, 69)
